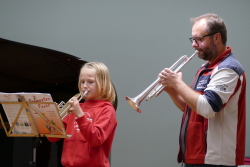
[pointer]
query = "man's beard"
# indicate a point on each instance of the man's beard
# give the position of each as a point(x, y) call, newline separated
point(209, 53)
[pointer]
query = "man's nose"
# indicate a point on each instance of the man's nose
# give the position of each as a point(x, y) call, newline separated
point(195, 44)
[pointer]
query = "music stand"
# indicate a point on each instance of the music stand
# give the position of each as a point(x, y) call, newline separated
point(34, 121)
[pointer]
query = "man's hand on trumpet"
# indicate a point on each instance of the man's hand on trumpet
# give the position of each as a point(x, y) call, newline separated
point(75, 107)
point(177, 89)
point(170, 79)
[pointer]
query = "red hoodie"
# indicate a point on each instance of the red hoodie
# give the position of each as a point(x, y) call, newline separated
point(92, 135)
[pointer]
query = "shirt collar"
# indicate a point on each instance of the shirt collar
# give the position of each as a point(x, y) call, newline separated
point(220, 58)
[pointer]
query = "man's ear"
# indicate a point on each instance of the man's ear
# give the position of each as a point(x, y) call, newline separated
point(217, 37)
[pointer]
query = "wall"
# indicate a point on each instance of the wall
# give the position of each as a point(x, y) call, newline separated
point(136, 39)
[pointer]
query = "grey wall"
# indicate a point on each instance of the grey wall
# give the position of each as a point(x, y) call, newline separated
point(136, 39)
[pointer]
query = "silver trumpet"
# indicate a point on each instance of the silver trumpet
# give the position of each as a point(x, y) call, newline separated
point(64, 107)
point(156, 87)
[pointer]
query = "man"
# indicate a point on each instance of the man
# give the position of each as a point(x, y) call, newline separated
point(213, 129)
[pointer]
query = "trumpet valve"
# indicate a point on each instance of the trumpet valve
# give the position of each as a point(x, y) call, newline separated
point(61, 104)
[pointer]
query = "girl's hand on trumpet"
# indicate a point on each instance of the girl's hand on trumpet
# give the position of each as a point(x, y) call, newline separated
point(75, 107)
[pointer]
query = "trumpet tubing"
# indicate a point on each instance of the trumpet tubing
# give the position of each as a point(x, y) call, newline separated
point(156, 87)
point(64, 107)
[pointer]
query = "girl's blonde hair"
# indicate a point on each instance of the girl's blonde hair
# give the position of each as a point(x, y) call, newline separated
point(104, 85)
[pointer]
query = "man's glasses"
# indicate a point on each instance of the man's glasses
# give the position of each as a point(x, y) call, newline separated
point(198, 39)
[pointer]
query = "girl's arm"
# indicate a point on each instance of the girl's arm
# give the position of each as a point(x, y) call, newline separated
point(99, 130)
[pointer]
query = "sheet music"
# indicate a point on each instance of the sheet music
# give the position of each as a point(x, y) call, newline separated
point(22, 125)
point(47, 110)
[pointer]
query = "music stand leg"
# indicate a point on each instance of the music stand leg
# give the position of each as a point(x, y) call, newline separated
point(36, 144)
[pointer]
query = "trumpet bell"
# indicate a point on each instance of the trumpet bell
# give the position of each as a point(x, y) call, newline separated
point(134, 103)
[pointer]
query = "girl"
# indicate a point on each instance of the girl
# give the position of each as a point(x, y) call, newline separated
point(92, 124)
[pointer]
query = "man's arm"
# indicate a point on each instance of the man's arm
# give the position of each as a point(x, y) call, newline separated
point(182, 92)
point(176, 98)
point(188, 94)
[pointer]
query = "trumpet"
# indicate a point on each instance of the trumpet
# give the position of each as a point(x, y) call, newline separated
point(64, 107)
point(156, 87)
